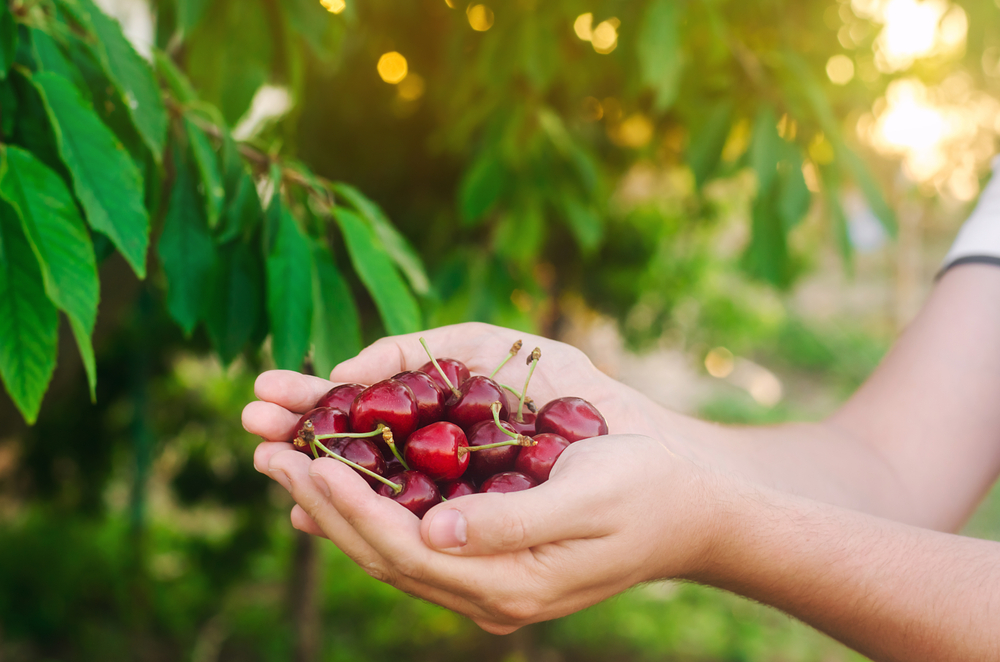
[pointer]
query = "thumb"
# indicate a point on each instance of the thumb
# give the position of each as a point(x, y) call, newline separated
point(483, 524)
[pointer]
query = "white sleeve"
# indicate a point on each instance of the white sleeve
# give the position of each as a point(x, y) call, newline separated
point(979, 238)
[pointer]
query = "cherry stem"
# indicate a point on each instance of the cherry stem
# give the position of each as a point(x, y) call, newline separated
point(440, 370)
point(536, 354)
point(518, 439)
point(349, 435)
point(391, 443)
point(396, 489)
point(517, 394)
point(514, 349)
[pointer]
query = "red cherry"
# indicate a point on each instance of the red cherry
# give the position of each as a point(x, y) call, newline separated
point(341, 397)
point(455, 369)
point(429, 396)
point(362, 452)
point(436, 451)
point(525, 427)
point(325, 420)
point(572, 418)
point(476, 396)
point(419, 493)
point(388, 403)
point(392, 464)
point(508, 481)
point(457, 488)
point(536, 461)
point(486, 463)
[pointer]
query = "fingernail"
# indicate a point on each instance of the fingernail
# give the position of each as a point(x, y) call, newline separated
point(321, 483)
point(281, 477)
point(448, 529)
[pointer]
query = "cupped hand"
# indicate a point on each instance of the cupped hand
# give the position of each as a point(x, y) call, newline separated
point(562, 371)
point(616, 511)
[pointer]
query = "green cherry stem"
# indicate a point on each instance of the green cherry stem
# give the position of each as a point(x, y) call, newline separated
point(536, 354)
point(391, 443)
point(349, 435)
point(514, 349)
point(517, 394)
point(440, 371)
point(396, 488)
point(516, 439)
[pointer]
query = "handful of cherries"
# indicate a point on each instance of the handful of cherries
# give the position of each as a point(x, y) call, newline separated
point(439, 433)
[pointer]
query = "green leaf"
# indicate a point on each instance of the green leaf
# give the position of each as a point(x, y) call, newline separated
point(235, 304)
point(520, 233)
point(336, 328)
point(190, 13)
point(707, 141)
point(185, 248)
point(105, 179)
point(208, 169)
point(838, 220)
point(244, 212)
point(397, 307)
point(866, 181)
point(481, 187)
point(394, 242)
point(659, 48)
point(50, 57)
point(133, 77)
point(765, 150)
point(59, 239)
point(8, 39)
point(175, 79)
point(289, 294)
point(767, 255)
point(29, 323)
point(794, 195)
point(584, 222)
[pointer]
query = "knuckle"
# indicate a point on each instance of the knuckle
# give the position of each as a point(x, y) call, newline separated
point(377, 571)
point(519, 610)
point(410, 568)
point(512, 531)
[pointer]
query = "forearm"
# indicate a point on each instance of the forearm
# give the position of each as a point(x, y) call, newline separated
point(919, 442)
point(891, 591)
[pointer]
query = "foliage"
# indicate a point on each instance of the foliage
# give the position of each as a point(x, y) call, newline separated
point(100, 151)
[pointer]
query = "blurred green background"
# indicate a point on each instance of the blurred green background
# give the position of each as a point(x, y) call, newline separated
point(732, 205)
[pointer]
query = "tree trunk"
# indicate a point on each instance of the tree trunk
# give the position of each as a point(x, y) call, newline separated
point(303, 598)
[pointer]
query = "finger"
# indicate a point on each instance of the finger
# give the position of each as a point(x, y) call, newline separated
point(394, 532)
point(262, 454)
point(479, 346)
point(291, 390)
point(302, 521)
point(484, 524)
point(291, 469)
point(269, 421)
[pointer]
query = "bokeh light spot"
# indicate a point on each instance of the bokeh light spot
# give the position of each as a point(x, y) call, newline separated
point(412, 88)
point(592, 109)
point(392, 67)
point(583, 26)
point(605, 36)
point(840, 69)
point(719, 362)
point(333, 6)
point(480, 17)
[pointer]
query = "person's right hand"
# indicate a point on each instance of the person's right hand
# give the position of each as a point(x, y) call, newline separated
point(617, 511)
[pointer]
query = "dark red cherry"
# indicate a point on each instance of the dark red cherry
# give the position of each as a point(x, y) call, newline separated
point(325, 420)
point(360, 451)
point(436, 451)
point(429, 396)
point(392, 463)
point(525, 427)
point(486, 463)
point(476, 396)
point(457, 488)
point(389, 403)
point(341, 397)
point(536, 461)
point(456, 371)
point(419, 493)
point(508, 481)
point(572, 418)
